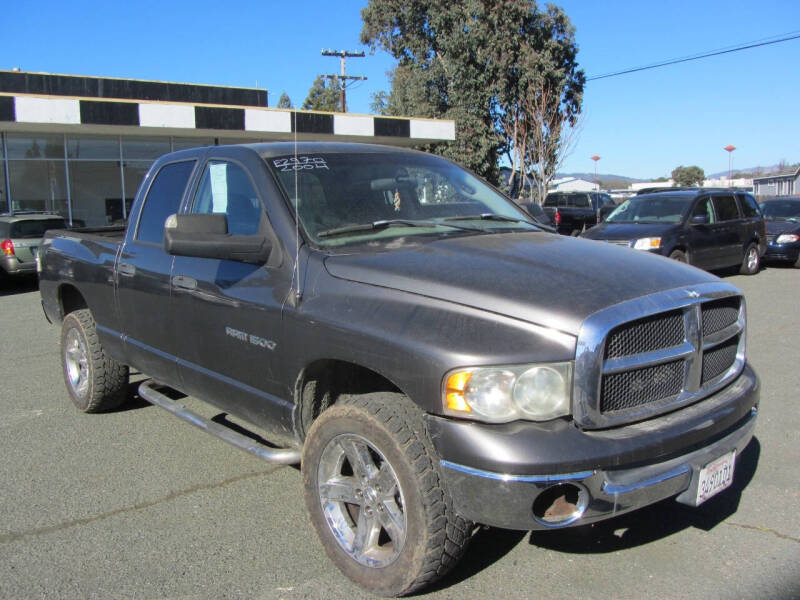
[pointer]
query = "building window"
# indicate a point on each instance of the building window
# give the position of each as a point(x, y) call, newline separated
point(186, 143)
point(94, 180)
point(37, 173)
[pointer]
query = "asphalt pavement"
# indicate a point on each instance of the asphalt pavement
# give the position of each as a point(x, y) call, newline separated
point(138, 504)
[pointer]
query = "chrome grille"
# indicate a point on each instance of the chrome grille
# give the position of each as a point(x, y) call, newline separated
point(719, 314)
point(720, 359)
point(641, 386)
point(625, 243)
point(771, 238)
point(646, 335)
point(650, 355)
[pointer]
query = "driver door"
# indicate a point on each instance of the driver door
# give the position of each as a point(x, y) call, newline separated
point(228, 313)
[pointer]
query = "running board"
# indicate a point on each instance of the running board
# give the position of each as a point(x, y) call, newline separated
point(281, 456)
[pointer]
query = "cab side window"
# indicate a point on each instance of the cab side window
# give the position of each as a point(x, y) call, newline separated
point(163, 200)
point(726, 209)
point(225, 188)
point(703, 207)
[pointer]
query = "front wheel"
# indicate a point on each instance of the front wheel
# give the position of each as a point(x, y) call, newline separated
point(679, 255)
point(751, 261)
point(373, 491)
point(95, 381)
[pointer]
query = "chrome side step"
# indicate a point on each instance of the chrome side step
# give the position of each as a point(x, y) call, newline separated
point(281, 456)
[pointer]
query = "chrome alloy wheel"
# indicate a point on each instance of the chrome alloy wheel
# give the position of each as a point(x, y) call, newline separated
point(76, 359)
point(362, 500)
point(752, 259)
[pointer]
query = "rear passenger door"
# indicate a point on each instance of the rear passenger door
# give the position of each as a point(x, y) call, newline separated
point(756, 228)
point(731, 229)
point(143, 275)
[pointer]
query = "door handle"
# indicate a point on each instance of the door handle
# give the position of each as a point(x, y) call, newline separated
point(126, 269)
point(185, 283)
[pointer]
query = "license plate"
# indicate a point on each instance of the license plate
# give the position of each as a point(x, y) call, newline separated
point(715, 477)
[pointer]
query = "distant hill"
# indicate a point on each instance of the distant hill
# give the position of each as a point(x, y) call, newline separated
point(750, 171)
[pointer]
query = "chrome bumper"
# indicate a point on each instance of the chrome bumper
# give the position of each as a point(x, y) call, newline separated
point(508, 500)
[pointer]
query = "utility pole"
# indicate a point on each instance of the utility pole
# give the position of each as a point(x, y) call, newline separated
point(343, 55)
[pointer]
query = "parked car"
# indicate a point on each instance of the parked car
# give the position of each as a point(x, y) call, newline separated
point(536, 211)
point(783, 229)
point(21, 236)
point(574, 212)
point(710, 229)
point(433, 365)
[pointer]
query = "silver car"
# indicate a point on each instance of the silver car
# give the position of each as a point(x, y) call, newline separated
point(20, 237)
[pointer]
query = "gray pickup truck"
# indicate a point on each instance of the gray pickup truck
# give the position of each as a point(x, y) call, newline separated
point(433, 358)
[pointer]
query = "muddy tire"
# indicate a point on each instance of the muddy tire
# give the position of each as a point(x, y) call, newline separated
point(751, 262)
point(375, 496)
point(95, 381)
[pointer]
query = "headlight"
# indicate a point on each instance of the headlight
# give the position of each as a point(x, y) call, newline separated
point(507, 393)
point(650, 243)
point(787, 238)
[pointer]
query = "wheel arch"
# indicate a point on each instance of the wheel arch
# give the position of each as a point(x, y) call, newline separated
point(325, 381)
point(70, 299)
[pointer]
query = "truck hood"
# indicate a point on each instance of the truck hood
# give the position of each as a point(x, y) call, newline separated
point(546, 279)
point(627, 231)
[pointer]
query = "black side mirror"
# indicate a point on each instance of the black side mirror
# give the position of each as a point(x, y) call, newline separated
point(700, 220)
point(206, 236)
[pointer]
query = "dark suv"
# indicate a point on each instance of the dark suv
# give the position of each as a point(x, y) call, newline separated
point(710, 229)
point(574, 212)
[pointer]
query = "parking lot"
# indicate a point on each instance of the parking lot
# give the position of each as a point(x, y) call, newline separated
point(137, 504)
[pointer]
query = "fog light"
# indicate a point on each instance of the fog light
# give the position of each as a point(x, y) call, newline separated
point(560, 505)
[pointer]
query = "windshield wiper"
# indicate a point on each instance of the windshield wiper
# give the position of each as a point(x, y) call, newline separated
point(488, 217)
point(378, 225)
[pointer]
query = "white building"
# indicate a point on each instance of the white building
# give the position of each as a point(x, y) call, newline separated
point(723, 182)
point(572, 184)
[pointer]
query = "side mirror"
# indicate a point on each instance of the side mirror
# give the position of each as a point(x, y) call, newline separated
point(206, 236)
point(700, 220)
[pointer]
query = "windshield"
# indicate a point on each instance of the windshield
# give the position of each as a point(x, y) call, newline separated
point(651, 209)
point(35, 228)
point(781, 209)
point(346, 198)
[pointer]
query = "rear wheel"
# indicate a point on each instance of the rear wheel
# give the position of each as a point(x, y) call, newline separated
point(751, 261)
point(95, 381)
point(680, 256)
point(373, 491)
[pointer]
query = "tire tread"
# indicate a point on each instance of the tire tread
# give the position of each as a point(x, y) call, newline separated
point(108, 378)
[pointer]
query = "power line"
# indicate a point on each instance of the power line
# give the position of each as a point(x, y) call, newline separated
point(674, 61)
point(343, 55)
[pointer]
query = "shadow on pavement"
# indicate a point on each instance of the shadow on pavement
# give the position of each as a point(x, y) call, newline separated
point(653, 522)
point(17, 285)
point(487, 546)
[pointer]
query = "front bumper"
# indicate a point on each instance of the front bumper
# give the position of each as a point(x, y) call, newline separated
point(782, 252)
point(493, 481)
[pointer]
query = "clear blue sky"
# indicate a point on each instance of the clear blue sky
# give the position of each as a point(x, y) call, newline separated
point(642, 125)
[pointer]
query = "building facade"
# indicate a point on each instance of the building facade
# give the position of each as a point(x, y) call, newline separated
point(786, 183)
point(80, 146)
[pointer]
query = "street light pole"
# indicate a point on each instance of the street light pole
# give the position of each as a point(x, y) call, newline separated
point(730, 148)
point(595, 158)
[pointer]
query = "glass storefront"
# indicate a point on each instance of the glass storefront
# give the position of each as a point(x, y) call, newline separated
point(90, 179)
